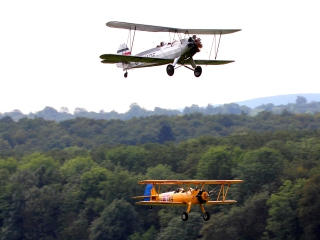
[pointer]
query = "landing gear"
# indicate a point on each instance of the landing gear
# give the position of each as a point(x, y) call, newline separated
point(170, 70)
point(206, 216)
point(184, 216)
point(126, 74)
point(197, 71)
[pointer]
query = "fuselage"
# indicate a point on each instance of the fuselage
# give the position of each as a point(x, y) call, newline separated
point(164, 50)
point(193, 196)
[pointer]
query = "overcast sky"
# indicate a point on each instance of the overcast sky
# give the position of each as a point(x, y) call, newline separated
point(49, 53)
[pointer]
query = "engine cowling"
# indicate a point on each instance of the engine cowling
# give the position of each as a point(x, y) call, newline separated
point(203, 196)
point(195, 44)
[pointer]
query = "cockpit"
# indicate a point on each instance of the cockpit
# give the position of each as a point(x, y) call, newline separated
point(180, 190)
point(162, 44)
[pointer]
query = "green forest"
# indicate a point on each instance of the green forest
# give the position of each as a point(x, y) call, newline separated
point(75, 178)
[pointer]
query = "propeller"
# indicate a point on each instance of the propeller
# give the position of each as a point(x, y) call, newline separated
point(194, 43)
point(202, 196)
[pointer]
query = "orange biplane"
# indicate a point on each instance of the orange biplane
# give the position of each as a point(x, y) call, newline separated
point(186, 196)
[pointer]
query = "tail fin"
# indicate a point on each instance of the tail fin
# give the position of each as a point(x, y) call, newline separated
point(123, 50)
point(149, 191)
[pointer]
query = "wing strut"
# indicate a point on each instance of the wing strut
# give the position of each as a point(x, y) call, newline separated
point(215, 48)
point(178, 34)
point(131, 42)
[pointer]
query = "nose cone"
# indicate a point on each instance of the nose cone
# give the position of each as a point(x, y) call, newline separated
point(194, 44)
point(205, 196)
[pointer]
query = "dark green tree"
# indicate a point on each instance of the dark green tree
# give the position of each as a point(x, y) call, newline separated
point(246, 222)
point(258, 168)
point(118, 221)
point(178, 229)
point(41, 213)
point(216, 163)
point(165, 134)
point(309, 206)
point(283, 222)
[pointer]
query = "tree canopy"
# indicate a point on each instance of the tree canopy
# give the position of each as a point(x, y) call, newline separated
point(75, 179)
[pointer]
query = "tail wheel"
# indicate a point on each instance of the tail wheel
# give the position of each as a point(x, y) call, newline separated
point(197, 71)
point(184, 216)
point(170, 70)
point(206, 216)
point(126, 75)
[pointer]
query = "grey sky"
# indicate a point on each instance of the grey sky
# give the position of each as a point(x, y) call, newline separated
point(49, 53)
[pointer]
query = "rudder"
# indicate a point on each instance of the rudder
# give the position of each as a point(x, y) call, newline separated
point(150, 191)
point(123, 50)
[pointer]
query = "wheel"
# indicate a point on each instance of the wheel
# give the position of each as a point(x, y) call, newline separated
point(170, 70)
point(206, 216)
point(126, 75)
point(184, 216)
point(197, 71)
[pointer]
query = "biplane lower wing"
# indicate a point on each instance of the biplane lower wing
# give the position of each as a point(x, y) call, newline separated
point(115, 58)
point(212, 62)
point(163, 203)
point(182, 204)
point(221, 202)
point(206, 62)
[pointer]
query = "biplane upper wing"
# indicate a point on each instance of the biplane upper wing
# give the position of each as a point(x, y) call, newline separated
point(152, 28)
point(196, 182)
point(115, 58)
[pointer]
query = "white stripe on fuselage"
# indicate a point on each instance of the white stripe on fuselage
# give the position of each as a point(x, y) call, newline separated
point(170, 51)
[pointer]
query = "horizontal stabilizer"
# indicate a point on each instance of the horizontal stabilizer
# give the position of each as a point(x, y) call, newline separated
point(138, 197)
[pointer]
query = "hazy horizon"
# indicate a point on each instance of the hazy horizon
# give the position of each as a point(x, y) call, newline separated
point(257, 100)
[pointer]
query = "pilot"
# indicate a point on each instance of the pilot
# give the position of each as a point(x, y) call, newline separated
point(190, 190)
point(179, 190)
point(161, 44)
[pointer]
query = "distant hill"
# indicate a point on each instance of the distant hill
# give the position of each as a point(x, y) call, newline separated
point(280, 99)
point(307, 103)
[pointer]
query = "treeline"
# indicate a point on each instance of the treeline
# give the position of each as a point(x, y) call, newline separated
point(74, 179)
point(300, 107)
point(29, 135)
